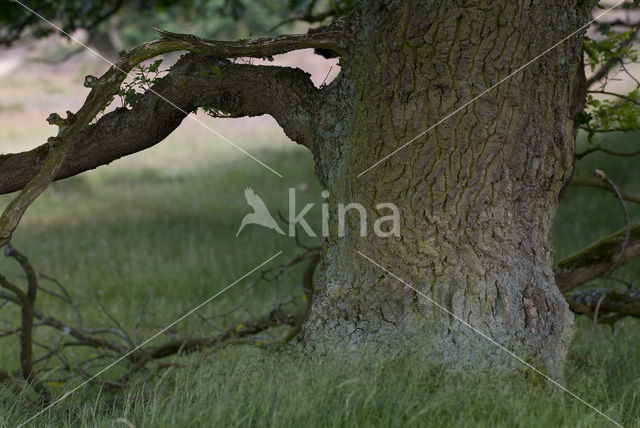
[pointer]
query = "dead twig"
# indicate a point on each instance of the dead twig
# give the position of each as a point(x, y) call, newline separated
point(601, 174)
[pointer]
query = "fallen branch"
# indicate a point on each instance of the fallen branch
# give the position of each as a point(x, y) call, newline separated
point(108, 350)
point(27, 300)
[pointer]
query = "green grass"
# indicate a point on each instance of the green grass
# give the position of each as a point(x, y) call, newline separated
point(166, 220)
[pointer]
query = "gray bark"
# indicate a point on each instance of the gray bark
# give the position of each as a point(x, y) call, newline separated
point(477, 194)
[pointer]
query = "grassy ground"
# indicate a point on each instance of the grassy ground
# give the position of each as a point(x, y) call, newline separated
point(166, 220)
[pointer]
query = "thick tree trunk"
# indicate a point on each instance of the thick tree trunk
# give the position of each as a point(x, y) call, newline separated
point(477, 194)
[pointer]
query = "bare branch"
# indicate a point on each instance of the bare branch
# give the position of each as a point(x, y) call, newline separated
point(83, 335)
point(26, 302)
point(136, 326)
point(625, 303)
point(613, 94)
point(607, 151)
point(605, 178)
point(119, 330)
point(330, 38)
point(598, 184)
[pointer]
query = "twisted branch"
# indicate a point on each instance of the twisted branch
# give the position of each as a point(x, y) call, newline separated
point(598, 259)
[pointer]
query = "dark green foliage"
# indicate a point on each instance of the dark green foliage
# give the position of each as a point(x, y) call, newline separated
point(610, 110)
point(145, 76)
point(208, 18)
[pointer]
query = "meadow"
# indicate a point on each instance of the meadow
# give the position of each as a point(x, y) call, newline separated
point(162, 224)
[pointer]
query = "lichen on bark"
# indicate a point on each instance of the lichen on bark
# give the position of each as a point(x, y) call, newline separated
point(477, 194)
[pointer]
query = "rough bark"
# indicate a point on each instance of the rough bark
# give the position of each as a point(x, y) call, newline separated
point(477, 194)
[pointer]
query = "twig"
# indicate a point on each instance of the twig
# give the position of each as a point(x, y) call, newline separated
point(595, 321)
point(120, 330)
point(626, 70)
point(601, 174)
point(327, 76)
point(599, 184)
point(140, 314)
point(613, 94)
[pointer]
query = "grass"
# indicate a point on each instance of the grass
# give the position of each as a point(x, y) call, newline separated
point(113, 235)
point(165, 220)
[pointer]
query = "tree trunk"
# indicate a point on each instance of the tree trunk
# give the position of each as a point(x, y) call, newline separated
point(477, 194)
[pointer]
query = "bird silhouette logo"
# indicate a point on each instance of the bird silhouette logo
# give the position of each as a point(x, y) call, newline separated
point(260, 214)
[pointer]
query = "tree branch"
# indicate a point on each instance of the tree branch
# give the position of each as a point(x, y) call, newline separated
point(613, 94)
point(276, 317)
point(27, 300)
point(329, 38)
point(241, 90)
point(49, 158)
point(599, 148)
point(621, 303)
point(613, 62)
point(54, 152)
point(83, 335)
point(597, 259)
point(598, 184)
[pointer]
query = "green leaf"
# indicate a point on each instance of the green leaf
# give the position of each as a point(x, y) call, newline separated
point(132, 97)
point(155, 66)
point(217, 71)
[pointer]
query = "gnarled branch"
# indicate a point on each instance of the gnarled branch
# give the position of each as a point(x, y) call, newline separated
point(241, 90)
point(620, 303)
point(49, 159)
point(597, 259)
point(329, 38)
point(54, 152)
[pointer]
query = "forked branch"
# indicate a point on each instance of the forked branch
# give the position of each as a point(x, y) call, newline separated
point(239, 89)
point(35, 170)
